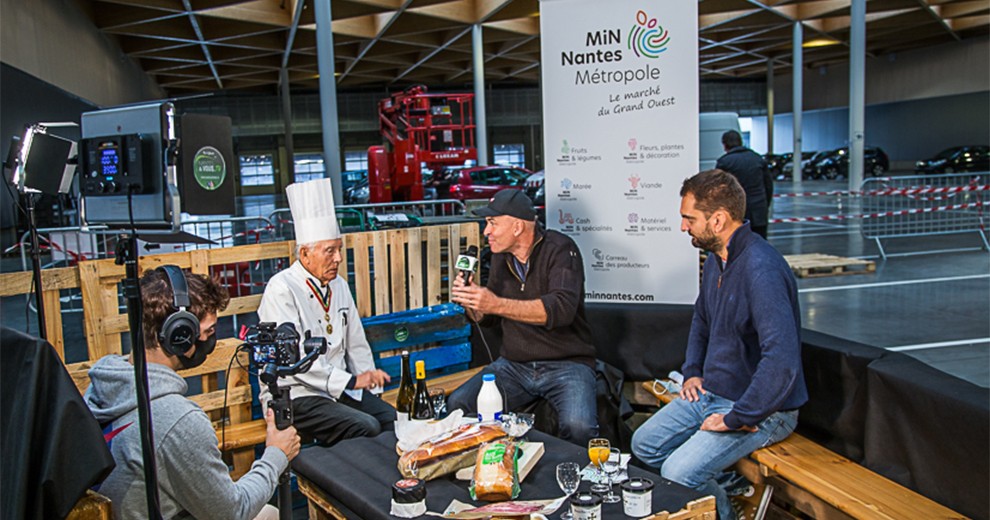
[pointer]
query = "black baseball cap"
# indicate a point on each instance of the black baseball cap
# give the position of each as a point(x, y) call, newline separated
point(513, 203)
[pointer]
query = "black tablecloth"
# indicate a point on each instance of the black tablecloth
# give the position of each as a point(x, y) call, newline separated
point(358, 475)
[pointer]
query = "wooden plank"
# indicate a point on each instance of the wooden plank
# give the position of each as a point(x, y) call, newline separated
point(93, 311)
point(362, 277)
point(397, 268)
point(242, 435)
point(380, 250)
point(241, 305)
point(53, 321)
point(111, 309)
point(433, 273)
point(22, 282)
point(199, 261)
point(320, 507)
point(842, 483)
point(414, 257)
point(214, 400)
point(342, 269)
point(92, 506)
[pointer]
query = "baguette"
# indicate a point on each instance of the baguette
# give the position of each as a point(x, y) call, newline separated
point(461, 441)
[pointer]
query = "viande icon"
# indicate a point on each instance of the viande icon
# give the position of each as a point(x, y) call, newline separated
point(647, 38)
point(634, 181)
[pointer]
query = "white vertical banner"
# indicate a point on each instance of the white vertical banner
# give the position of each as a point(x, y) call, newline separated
point(620, 120)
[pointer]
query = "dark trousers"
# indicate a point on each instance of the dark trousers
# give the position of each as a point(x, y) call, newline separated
point(760, 230)
point(327, 421)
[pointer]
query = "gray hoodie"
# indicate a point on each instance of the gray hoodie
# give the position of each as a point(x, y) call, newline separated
point(192, 479)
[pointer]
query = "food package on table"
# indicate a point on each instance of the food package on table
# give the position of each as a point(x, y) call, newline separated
point(521, 509)
point(448, 452)
point(496, 475)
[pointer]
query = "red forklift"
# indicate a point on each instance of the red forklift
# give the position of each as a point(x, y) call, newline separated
point(419, 130)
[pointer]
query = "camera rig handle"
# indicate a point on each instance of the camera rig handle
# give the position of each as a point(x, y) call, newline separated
point(281, 403)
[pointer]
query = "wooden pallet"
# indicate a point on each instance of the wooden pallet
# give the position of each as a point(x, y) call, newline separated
point(816, 264)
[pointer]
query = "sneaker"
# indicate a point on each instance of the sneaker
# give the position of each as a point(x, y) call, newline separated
point(735, 484)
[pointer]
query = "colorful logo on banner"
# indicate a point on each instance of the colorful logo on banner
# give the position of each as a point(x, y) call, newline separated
point(209, 168)
point(647, 38)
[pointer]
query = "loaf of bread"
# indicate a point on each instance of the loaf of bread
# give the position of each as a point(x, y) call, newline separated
point(449, 452)
point(495, 472)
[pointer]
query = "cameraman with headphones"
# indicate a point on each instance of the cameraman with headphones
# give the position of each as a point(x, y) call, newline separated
point(179, 324)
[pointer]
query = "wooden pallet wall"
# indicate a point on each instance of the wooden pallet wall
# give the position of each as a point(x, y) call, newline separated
point(393, 270)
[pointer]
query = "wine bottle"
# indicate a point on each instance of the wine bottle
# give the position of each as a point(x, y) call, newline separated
point(407, 391)
point(422, 408)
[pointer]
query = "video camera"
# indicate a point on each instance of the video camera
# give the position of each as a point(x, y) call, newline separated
point(275, 349)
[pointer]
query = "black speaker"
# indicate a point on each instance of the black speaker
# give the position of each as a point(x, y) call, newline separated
point(181, 328)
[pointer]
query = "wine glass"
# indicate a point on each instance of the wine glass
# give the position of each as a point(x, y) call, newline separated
point(611, 468)
point(568, 478)
point(438, 398)
point(598, 453)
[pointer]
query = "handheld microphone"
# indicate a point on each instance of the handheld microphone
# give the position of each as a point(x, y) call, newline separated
point(466, 262)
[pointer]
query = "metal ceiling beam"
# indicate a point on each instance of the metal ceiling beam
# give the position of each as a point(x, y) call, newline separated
point(933, 11)
point(502, 52)
point(202, 41)
point(381, 31)
point(432, 53)
point(292, 33)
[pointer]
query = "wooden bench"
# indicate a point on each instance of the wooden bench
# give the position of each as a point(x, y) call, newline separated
point(826, 485)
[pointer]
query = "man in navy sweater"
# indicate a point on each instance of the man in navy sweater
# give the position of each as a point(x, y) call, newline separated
point(743, 377)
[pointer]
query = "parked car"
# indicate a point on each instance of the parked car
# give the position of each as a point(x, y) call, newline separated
point(836, 163)
point(775, 163)
point(957, 159)
point(483, 182)
point(534, 183)
point(787, 163)
point(358, 193)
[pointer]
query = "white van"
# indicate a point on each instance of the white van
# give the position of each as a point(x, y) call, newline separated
point(712, 125)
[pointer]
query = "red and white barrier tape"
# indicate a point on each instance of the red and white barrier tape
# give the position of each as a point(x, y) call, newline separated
point(825, 218)
point(887, 191)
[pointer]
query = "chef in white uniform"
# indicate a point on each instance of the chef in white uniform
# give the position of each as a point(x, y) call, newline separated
point(329, 402)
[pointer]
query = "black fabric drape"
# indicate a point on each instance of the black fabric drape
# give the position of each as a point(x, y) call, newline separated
point(52, 446)
point(928, 431)
point(835, 372)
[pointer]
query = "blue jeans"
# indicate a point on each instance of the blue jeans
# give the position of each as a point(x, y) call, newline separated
point(672, 442)
point(569, 387)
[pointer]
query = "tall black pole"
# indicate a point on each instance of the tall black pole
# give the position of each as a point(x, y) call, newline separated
point(127, 253)
point(39, 301)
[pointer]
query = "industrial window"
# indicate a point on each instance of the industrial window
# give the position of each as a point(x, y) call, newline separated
point(257, 170)
point(510, 155)
point(356, 160)
point(309, 166)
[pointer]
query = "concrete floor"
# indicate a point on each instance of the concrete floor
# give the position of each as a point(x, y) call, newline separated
point(929, 299)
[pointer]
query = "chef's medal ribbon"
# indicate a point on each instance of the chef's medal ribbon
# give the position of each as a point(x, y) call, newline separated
point(324, 300)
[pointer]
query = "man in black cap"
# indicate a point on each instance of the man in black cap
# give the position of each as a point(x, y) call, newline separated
point(535, 292)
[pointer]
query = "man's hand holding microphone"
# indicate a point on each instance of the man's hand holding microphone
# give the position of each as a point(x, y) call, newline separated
point(464, 292)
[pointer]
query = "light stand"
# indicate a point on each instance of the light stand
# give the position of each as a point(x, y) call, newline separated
point(42, 165)
point(127, 254)
point(39, 301)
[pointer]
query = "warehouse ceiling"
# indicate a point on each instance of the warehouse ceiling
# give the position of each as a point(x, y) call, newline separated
point(192, 46)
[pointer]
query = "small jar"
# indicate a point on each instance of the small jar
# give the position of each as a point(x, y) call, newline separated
point(637, 497)
point(586, 506)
